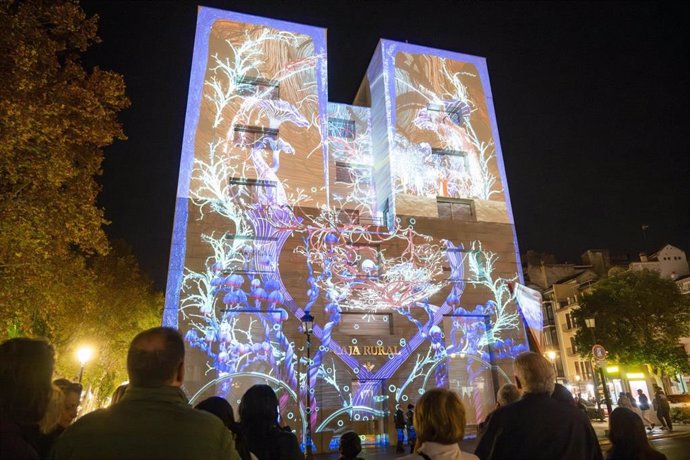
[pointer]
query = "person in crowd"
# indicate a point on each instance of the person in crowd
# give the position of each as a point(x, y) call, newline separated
point(153, 420)
point(26, 369)
point(399, 419)
point(350, 446)
point(259, 424)
point(633, 403)
point(629, 438)
point(507, 394)
point(222, 409)
point(72, 397)
point(439, 420)
point(562, 394)
point(663, 408)
point(643, 405)
point(537, 426)
point(118, 393)
point(411, 432)
point(623, 401)
point(49, 424)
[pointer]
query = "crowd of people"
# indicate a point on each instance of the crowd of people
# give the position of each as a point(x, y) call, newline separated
point(150, 417)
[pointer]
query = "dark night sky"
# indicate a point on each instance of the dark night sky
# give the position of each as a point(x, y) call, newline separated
point(591, 101)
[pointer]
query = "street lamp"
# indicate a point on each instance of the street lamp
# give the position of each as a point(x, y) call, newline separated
point(590, 323)
point(307, 325)
point(84, 355)
point(552, 357)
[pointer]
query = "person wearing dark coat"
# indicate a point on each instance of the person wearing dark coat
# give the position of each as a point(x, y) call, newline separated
point(26, 368)
point(221, 408)
point(629, 438)
point(399, 420)
point(259, 422)
point(538, 426)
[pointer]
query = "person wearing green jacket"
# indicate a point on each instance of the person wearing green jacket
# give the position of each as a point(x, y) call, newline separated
point(153, 420)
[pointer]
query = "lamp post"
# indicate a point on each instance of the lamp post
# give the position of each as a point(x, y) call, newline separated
point(307, 325)
point(552, 357)
point(84, 354)
point(591, 324)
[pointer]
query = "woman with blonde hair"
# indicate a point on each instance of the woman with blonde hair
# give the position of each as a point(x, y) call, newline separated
point(439, 420)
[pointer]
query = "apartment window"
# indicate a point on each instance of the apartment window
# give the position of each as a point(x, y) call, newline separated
point(252, 136)
point(455, 209)
point(258, 87)
point(254, 189)
point(549, 312)
point(340, 127)
point(573, 345)
point(451, 159)
point(251, 254)
point(351, 173)
point(568, 321)
point(457, 111)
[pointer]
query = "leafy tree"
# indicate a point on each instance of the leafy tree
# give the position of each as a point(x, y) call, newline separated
point(639, 319)
point(55, 118)
point(57, 276)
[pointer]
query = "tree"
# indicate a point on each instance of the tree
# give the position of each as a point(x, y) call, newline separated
point(55, 119)
point(57, 276)
point(639, 319)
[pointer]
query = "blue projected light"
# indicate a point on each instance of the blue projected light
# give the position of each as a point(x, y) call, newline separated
point(289, 204)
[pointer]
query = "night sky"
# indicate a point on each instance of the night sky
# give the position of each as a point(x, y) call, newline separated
point(591, 101)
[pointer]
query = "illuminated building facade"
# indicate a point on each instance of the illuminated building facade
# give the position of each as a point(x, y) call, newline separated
point(388, 220)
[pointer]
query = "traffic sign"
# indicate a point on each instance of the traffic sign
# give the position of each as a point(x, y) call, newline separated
point(599, 352)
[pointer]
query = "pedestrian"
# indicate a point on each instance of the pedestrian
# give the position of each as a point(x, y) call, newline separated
point(663, 408)
point(643, 405)
point(440, 423)
point(72, 397)
point(562, 394)
point(628, 437)
point(633, 403)
point(259, 422)
point(507, 394)
point(399, 419)
point(153, 420)
point(26, 368)
point(411, 433)
point(623, 401)
point(222, 409)
point(538, 426)
point(118, 394)
point(350, 446)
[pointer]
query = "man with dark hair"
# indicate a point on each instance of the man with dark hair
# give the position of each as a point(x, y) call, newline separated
point(153, 420)
point(537, 426)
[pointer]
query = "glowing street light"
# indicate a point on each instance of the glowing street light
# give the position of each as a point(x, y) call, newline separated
point(551, 355)
point(84, 355)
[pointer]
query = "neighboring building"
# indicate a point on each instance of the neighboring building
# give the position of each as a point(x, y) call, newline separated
point(388, 221)
point(670, 261)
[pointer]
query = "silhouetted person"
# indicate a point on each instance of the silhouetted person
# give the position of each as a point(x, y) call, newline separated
point(411, 432)
point(629, 438)
point(439, 420)
point(118, 393)
point(663, 408)
point(537, 426)
point(562, 394)
point(643, 405)
point(222, 409)
point(507, 394)
point(350, 446)
point(259, 422)
point(72, 397)
point(153, 420)
point(26, 368)
point(399, 419)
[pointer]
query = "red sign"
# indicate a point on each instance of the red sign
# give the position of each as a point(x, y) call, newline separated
point(599, 352)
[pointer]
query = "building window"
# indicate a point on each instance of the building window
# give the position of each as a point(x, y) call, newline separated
point(253, 136)
point(455, 209)
point(255, 190)
point(573, 345)
point(258, 87)
point(568, 321)
point(451, 159)
point(340, 127)
point(351, 173)
point(348, 216)
point(457, 111)
point(256, 255)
